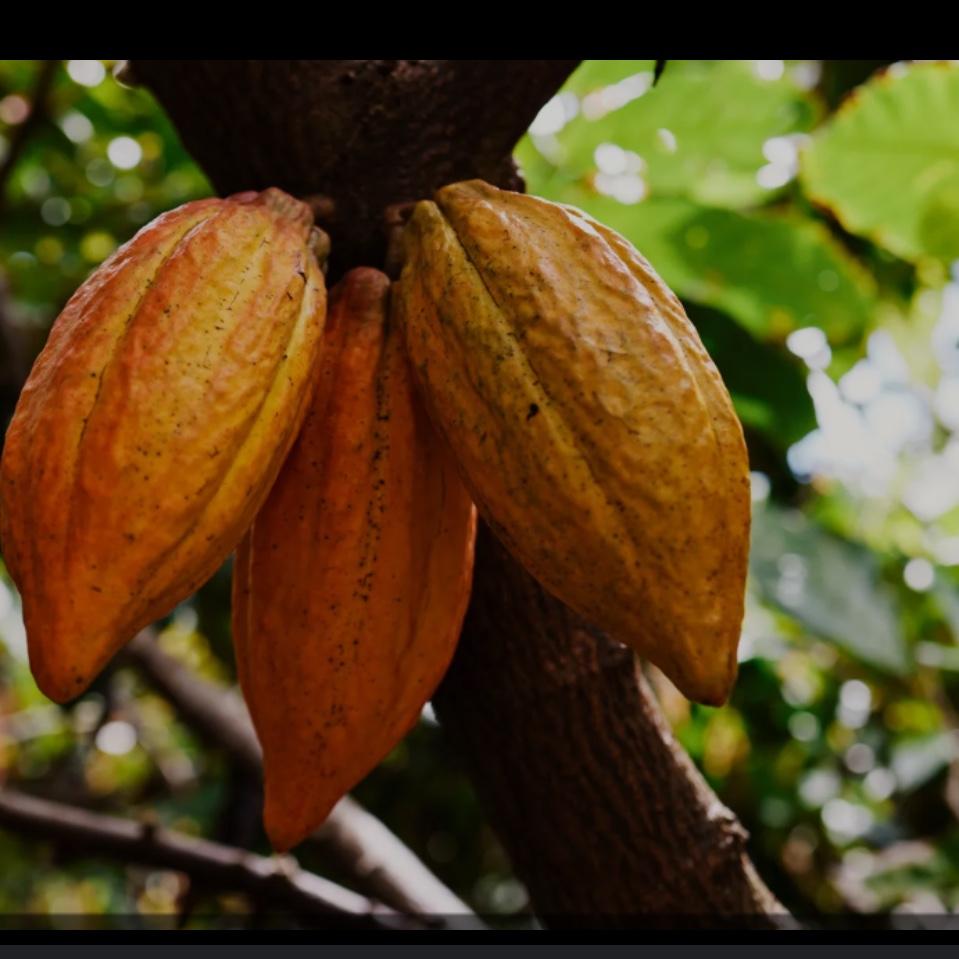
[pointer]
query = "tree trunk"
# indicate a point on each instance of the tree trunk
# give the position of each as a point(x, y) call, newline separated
point(364, 133)
point(603, 813)
point(604, 816)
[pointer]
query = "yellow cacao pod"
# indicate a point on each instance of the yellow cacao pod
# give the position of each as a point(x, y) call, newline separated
point(593, 430)
point(154, 422)
point(350, 588)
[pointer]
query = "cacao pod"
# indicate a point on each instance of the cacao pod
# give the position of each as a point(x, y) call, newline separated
point(154, 422)
point(593, 430)
point(350, 588)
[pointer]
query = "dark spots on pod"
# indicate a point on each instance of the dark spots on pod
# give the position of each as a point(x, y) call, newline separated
point(530, 413)
point(96, 589)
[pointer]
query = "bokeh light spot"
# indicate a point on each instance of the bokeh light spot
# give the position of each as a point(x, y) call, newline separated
point(116, 738)
point(55, 211)
point(919, 574)
point(76, 127)
point(14, 109)
point(124, 153)
point(88, 73)
point(770, 69)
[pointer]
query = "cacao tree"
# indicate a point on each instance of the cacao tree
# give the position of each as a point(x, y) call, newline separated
point(602, 814)
point(413, 126)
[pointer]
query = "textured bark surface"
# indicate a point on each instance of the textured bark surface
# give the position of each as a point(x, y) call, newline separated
point(365, 133)
point(602, 813)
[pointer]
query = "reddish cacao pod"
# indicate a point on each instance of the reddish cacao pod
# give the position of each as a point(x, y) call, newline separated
point(154, 422)
point(351, 586)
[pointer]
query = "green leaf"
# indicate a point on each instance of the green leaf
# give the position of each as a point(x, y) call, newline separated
point(699, 133)
point(830, 585)
point(916, 760)
point(594, 74)
point(946, 597)
point(887, 164)
point(771, 273)
point(767, 384)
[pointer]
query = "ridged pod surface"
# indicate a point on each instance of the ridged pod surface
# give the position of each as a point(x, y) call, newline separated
point(350, 589)
point(154, 423)
point(593, 430)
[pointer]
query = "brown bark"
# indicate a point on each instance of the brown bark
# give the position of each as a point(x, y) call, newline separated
point(356, 842)
point(273, 881)
point(365, 133)
point(603, 815)
point(22, 133)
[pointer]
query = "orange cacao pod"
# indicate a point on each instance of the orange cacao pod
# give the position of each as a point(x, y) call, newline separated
point(595, 434)
point(350, 588)
point(154, 422)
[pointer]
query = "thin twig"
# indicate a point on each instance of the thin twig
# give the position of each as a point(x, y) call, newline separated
point(277, 881)
point(12, 373)
point(22, 134)
point(356, 841)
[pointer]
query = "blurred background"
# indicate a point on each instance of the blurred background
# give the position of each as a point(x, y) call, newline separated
point(807, 213)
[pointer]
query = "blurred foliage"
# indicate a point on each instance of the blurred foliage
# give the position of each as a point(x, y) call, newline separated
point(888, 162)
point(806, 213)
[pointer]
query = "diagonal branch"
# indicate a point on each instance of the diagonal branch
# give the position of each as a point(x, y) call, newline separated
point(278, 882)
point(352, 838)
point(12, 373)
point(572, 743)
point(22, 134)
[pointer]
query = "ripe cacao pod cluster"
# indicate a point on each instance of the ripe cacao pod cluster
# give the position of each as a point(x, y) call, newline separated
point(197, 397)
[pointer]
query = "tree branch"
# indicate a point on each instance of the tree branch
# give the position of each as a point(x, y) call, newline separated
point(22, 134)
point(601, 812)
point(352, 839)
point(12, 364)
point(276, 881)
point(569, 742)
point(366, 133)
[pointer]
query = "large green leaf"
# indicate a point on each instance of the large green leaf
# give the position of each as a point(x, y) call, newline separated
point(700, 132)
point(917, 759)
point(595, 74)
point(887, 163)
point(767, 384)
point(830, 585)
point(772, 273)
point(946, 596)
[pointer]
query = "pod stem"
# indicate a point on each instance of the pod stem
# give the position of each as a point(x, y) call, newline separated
point(395, 218)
